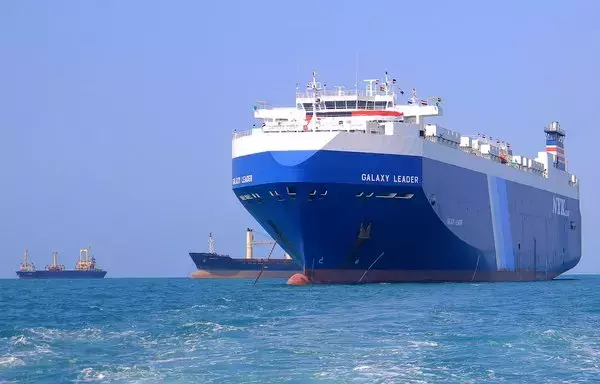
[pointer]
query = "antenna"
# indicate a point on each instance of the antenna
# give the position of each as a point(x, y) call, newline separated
point(297, 77)
point(356, 72)
point(370, 86)
point(387, 84)
point(413, 98)
point(315, 88)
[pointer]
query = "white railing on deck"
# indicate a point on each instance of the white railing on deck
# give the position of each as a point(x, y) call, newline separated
point(343, 92)
point(300, 128)
point(283, 126)
point(238, 134)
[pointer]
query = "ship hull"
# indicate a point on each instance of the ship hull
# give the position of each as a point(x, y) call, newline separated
point(445, 222)
point(212, 266)
point(61, 274)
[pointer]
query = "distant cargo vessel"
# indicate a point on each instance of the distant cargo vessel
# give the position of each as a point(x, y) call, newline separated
point(213, 265)
point(85, 268)
point(358, 187)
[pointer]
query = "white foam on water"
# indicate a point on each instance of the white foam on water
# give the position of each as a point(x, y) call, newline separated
point(19, 340)
point(10, 361)
point(423, 343)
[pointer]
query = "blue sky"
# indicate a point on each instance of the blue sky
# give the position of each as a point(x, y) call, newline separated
point(116, 116)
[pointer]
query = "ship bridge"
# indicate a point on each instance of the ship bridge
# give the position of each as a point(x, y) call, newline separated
point(340, 109)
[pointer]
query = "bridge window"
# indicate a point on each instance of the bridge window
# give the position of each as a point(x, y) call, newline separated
point(380, 104)
point(330, 105)
point(309, 106)
point(351, 104)
point(361, 104)
point(340, 104)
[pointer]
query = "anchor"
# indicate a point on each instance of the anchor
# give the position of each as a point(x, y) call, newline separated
point(364, 233)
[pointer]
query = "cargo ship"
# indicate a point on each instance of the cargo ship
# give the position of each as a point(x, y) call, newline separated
point(211, 265)
point(85, 268)
point(360, 186)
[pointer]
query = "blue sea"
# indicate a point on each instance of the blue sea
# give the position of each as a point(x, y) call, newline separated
point(228, 331)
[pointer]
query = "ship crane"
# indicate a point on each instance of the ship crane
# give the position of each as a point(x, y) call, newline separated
point(55, 266)
point(250, 243)
point(26, 266)
point(86, 261)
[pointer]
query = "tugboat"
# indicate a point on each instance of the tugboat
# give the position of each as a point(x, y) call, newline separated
point(85, 268)
point(212, 265)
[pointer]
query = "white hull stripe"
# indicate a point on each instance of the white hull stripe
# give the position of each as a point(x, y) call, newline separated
point(398, 145)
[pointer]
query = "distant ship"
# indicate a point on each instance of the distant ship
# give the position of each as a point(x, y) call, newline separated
point(213, 265)
point(85, 268)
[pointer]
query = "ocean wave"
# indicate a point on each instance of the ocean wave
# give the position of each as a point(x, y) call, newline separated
point(447, 333)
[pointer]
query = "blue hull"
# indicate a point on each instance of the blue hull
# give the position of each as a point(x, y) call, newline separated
point(210, 261)
point(212, 265)
point(445, 223)
point(62, 274)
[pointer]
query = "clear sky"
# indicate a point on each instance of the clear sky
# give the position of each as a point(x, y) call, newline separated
point(116, 116)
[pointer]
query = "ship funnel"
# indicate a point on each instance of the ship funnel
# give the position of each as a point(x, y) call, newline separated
point(555, 144)
point(249, 243)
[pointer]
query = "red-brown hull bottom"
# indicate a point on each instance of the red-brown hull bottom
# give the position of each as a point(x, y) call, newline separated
point(232, 274)
point(333, 276)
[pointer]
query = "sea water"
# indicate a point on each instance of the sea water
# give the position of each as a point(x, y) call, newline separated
point(229, 331)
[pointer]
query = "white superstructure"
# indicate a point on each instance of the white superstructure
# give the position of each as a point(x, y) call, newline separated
point(374, 121)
